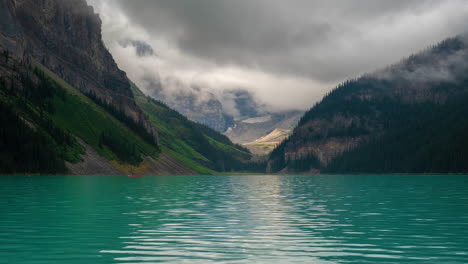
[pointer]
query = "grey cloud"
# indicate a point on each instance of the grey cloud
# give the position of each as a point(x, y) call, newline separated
point(313, 44)
point(281, 36)
point(447, 63)
point(249, 33)
point(142, 48)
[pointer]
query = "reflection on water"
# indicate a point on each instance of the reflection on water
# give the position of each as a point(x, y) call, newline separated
point(234, 219)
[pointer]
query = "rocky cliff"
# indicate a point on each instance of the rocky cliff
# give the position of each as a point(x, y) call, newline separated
point(65, 36)
point(11, 34)
point(48, 51)
point(66, 105)
point(198, 106)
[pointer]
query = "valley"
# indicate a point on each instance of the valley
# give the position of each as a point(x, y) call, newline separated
point(222, 131)
point(77, 112)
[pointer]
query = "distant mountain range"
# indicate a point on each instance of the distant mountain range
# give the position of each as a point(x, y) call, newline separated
point(249, 130)
point(66, 107)
point(408, 118)
point(250, 123)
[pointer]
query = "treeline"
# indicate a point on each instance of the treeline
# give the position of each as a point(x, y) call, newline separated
point(30, 96)
point(412, 138)
point(125, 150)
point(304, 163)
point(276, 159)
point(223, 157)
point(346, 97)
point(137, 127)
point(218, 136)
point(24, 149)
point(432, 141)
point(29, 139)
point(122, 148)
point(411, 117)
point(32, 87)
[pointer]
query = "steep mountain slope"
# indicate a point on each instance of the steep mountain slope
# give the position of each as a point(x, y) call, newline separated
point(34, 38)
point(410, 117)
point(200, 147)
point(67, 108)
point(50, 127)
point(65, 36)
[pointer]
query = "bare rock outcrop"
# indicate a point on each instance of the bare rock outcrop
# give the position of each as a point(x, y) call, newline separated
point(65, 36)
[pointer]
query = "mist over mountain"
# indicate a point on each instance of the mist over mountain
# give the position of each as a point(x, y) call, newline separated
point(286, 56)
point(67, 108)
point(118, 86)
point(296, 50)
point(409, 117)
point(220, 109)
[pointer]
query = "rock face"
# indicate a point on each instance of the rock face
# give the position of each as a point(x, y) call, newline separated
point(63, 39)
point(94, 164)
point(65, 36)
point(208, 112)
point(196, 104)
point(11, 35)
point(323, 139)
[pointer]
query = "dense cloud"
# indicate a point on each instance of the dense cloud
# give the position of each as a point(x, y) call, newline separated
point(287, 53)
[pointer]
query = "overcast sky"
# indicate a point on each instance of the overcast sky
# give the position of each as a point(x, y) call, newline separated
point(287, 53)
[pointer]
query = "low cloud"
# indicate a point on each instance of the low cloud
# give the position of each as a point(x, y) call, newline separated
point(287, 54)
point(445, 64)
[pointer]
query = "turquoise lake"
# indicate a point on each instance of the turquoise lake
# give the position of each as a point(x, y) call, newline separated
point(234, 219)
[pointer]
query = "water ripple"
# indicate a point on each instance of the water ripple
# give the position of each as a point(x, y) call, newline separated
point(234, 219)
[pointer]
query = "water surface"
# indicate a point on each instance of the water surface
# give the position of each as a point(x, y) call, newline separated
point(234, 219)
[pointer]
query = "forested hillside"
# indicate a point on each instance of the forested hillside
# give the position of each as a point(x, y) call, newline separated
point(42, 118)
point(410, 117)
point(200, 147)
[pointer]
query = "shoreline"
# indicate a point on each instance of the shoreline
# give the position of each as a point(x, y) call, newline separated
point(247, 174)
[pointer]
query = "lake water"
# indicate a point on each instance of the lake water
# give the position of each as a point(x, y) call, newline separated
point(234, 219)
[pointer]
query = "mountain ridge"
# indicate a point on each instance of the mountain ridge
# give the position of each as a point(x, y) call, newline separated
point(65, 37)
point(70, 109)
point(367, 110)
